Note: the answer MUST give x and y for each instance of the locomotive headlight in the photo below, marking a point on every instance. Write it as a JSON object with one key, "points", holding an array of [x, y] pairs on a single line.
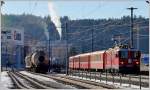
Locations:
{"points": [[122, 62], [137, 62]]}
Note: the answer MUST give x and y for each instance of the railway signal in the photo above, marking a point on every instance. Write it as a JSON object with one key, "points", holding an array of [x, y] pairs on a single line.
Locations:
{"points": [[136, 30], [67, 60]]}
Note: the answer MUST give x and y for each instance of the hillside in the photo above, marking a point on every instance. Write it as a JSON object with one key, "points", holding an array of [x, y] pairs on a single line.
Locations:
{"points": [[79, 31]]}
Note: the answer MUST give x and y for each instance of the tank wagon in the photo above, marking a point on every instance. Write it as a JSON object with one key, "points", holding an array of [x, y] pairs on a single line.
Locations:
{"points": [[37, 62]]}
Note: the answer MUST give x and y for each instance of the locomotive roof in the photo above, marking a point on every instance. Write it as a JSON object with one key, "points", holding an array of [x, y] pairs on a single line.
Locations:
{"points": [[102, 51], [82, 54], [117, 48], [98, 52]]}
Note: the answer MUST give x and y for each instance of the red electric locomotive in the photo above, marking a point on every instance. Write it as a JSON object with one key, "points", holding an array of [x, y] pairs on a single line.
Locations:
{"points": [[118, 59], [122, 59]]}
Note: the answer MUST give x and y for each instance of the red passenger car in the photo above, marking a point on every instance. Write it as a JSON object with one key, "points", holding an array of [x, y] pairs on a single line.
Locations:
{"points": [[118, 59], [97, 60]]}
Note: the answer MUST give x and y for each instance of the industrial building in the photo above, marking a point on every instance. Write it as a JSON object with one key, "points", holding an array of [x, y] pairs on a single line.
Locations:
{"points": [[12, 42]]}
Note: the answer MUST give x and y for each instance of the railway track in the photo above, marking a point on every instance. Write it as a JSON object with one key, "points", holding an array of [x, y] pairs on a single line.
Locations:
{"points": [[117, 75], [32, 83], [48, 82], [128, 79], [17, 83], [82, 84], [89, 82]]}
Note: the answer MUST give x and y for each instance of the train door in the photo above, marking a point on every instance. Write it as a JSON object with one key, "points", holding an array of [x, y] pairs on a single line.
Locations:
{"points": [[89, 62], [109, 60], [104, 60], [79, 61], [116, 60], [123, 58], [73, 63], [136, 56], [101, 61]]}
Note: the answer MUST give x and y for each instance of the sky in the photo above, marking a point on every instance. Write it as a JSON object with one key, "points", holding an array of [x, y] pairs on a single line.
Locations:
{"points": [[79, 9]]}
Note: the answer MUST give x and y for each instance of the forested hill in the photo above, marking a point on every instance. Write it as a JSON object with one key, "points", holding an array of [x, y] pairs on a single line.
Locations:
{"points": [[80, 31]]}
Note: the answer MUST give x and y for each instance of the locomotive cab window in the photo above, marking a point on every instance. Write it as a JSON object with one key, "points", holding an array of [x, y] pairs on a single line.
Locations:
{"points": [[135, 54], [123, 54]]}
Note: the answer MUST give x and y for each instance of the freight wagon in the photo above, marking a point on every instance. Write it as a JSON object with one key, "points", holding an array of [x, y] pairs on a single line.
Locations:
{"points": [[37, 62]]}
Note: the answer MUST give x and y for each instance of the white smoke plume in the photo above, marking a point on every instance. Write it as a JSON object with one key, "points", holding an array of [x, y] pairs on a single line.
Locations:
{"points": [[45, 30], [54, 17]]}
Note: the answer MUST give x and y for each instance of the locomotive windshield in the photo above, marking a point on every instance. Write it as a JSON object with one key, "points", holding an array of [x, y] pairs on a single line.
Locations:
{"points": [[135, 54], [123, 54]]}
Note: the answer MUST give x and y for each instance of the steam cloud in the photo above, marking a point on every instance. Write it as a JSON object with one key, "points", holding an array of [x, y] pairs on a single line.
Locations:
{"points": [[55, 18], [45, 29]]}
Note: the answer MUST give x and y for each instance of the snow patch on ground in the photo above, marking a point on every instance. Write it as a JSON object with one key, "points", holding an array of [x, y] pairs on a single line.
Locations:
{"points": [[41, 78], [5, 80]]}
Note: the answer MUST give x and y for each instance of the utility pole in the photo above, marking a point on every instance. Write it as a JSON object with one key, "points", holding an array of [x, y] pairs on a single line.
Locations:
{"points": [[137, 35], [49, 50], [6, 53], [82, 45], [92, 40], [67, 56], [131, 32]]}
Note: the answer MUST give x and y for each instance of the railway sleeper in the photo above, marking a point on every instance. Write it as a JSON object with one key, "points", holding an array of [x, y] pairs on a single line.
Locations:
{"points": [[18, 83], [71, 82], [50, 84], [90, 82], [35, 82]]}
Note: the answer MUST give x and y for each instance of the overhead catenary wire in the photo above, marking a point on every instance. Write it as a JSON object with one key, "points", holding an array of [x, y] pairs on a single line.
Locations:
{"points": [[104, 30], [105, 47], [95, 28], [79, 20], [101, 25], [34, 6], [143, 35], [78, 33], [95, 37], [96, 9], [84, 30], [89, 13], [100, 32]]}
